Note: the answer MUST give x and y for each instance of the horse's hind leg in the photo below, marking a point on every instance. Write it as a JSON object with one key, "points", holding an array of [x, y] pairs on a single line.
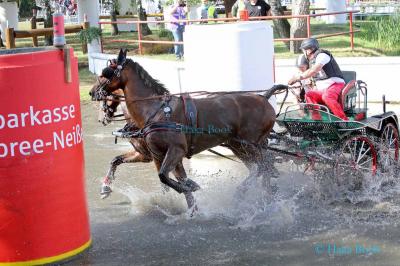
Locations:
{"points": [[130, 157], [173, 157], [246, 155], [267, 169], [252, 155]]}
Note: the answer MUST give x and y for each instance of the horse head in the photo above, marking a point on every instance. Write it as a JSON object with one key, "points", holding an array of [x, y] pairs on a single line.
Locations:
{"points": [[111, 78], [109, 107]]}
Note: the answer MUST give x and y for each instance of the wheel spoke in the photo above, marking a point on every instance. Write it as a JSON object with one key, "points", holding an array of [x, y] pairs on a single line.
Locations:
{"points": [[359, 154], [391, 139], [369, 148], [355, 147], [344, 165], [367, 169], [370, 159]]}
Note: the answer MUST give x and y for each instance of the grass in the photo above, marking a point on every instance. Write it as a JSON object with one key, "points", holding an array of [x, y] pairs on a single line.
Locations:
{"points": [[338, 45], [86, 81], [384, 32]]}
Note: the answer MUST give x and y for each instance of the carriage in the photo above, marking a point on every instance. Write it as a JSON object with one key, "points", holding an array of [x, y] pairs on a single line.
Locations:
{"points": [[362, 145]]}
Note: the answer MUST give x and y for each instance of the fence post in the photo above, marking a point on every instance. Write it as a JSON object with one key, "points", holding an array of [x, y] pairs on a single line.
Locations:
{"points": [[351, 31], [33, 26], [10, 38], [101, 38], [139, 37], [85, 26], [273, 68], [308, 26]]}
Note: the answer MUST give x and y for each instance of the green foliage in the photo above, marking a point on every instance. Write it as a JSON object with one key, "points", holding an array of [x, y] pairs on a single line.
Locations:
{"points": [[385, 32], [25, 8], [163, 33], [88, 35]]}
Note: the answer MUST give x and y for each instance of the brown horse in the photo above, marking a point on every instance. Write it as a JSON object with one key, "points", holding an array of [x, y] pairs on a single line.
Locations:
{"points": [[242, 121]]}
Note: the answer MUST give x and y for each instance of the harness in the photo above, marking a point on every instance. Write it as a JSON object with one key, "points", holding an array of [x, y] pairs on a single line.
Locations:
{"points": [[160, 126], [190, 111]]}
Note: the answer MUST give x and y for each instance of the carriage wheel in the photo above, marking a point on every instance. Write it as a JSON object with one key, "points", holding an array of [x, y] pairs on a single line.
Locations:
{"points": [[389, 148], [357, 158]]}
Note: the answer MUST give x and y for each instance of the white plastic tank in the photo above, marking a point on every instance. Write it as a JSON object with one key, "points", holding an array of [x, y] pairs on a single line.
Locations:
{"points": [[8, 17], [228, 57], [335, 6], [91, 9]]}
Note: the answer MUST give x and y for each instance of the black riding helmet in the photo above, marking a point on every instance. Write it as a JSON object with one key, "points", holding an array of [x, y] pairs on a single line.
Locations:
{"points": [[310, 43], [302, 61]]}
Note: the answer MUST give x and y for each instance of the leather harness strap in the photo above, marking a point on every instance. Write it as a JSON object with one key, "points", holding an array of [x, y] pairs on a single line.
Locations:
{"points": [[159, 126], [190, 111]]}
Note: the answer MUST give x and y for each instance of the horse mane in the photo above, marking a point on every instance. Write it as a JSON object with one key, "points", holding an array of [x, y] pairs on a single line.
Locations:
{"points": [[148, 80]]}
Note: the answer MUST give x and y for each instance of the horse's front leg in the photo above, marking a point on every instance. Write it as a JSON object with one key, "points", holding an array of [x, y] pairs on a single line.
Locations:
{"points": [[172, 158], [180, 175], [130, 157]]}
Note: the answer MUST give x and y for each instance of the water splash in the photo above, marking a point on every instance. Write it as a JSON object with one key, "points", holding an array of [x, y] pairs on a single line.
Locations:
{"points": [[219, 199], [297, 197]]}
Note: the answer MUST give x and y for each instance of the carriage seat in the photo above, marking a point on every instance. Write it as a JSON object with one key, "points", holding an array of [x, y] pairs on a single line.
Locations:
{"points": [[348, 96], [348, 92]]}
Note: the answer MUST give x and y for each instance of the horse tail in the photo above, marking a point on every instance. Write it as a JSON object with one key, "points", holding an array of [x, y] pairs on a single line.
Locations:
{"points": [[276, 89]]}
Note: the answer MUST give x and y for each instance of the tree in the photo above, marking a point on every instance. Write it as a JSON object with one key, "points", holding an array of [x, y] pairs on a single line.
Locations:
{"points": [[282, 26], [228, 6], [48, 21], [25, 8], [141, 13], [114, 9], [145, 30], [299, 25]]}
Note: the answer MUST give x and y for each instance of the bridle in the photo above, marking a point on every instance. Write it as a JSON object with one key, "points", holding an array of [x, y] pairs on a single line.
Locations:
{"points": [[110, 110], [101, 94]]}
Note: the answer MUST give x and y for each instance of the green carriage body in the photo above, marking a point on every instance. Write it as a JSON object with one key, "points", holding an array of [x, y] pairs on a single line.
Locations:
{"points": [[314, 132]]}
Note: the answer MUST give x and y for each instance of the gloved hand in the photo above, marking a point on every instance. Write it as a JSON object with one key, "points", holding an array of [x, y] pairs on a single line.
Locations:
{"points": [[294, 79]]}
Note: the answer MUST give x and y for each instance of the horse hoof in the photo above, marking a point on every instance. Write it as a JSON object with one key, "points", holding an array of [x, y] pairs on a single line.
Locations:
{"points": [[193, 211], [193, 186], [105, 191], [164, 188]]}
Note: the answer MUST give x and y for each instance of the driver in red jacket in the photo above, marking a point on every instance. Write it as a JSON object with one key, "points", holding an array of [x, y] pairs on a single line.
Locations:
{"points": [[327, 75]]}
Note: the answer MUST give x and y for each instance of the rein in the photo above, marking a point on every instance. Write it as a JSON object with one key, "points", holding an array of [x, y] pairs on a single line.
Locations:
{"points": [[113, 97], [117, 120], [102, 94]]}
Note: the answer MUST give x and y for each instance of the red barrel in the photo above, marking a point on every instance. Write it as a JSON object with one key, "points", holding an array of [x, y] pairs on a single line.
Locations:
{"points": [[43, 212]]}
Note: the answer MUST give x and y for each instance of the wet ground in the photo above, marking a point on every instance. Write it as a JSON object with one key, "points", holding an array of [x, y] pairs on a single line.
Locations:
{"points": [[140, 224]]}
